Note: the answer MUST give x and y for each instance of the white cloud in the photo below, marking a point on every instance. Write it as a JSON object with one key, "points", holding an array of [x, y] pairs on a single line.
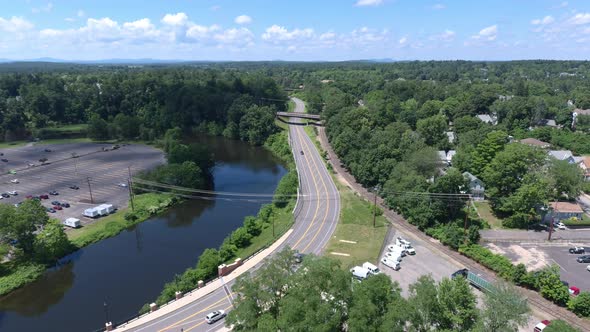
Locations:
{"points": [[581, 18], [277, 33], [447, 36], [543, 21], [243, 19], [327, 36], [47, 8], [15, 25], [199, 32], [239, 37], [365, 35], [177, 19], [439, 6], [81, 13], [403, 41], [362, 3], [489, 33]]}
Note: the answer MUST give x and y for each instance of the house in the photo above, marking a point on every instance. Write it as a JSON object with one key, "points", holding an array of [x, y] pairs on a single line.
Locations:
{"points": [[549, 123], [566, 155], [476, 187], [563, 210], [535, 142], [446, 157], [585, 166], [491, 119]]}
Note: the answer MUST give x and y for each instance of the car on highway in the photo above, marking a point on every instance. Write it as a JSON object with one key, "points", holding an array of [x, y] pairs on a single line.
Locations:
{"points": [[14, 181], [583, 259], [48, 150], [391, 263], [74, 187], [31, 165], [54, 193], [215, 316], [13, 193], [577, 250], [122, 185]]}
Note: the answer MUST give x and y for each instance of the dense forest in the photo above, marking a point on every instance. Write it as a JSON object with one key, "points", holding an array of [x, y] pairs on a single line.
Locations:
{"points": [[140, 103]]}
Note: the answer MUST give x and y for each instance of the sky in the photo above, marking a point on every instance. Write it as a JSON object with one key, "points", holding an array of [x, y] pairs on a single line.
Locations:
{"points": [[303, 30]]}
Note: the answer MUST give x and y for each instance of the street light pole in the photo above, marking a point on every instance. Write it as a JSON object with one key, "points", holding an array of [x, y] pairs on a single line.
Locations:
{"points": [[90, 190], [106, 310], [375, 190]]}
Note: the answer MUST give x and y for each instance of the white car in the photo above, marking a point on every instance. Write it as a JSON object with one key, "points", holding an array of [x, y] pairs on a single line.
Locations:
{"points": [[390, 263], [394, 248], [401, 241], [13, 193], [122, 185], [215, 316], [14, 181], [408, 248], [588, 267], [559, 225]]}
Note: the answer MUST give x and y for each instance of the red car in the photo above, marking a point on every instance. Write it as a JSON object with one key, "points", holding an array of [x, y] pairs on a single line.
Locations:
{"points": [[44, 196], [541, 326], [57, 207], [574, 290]]}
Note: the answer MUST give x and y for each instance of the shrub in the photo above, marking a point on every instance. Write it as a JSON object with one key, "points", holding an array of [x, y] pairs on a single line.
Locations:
{"points": [[240, 237], [253, 226], [580, 305], [495, 262]]}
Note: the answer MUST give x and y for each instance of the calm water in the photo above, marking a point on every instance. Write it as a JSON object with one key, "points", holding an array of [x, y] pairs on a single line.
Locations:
{"points": [[130, 269]]}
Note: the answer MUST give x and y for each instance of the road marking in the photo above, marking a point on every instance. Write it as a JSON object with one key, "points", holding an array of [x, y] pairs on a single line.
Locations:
{"points": [[561, 267], [346, 241], [339, 254], [201, 323], [190, 316]]}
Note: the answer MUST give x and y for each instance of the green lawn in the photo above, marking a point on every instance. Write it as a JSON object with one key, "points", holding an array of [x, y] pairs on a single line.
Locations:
{"points": [[65, 140], [13, 144], [290, 106], [485, 211]]}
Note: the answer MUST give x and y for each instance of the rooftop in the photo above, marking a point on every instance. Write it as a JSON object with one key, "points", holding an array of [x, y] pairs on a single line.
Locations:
{"points": [[566, 207], [561, 154], [535, 142]]}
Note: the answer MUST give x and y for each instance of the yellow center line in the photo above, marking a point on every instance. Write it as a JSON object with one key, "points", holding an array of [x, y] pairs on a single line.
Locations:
{"points": [[203, 322], [327, 206], [193, 315], [316, 189]]}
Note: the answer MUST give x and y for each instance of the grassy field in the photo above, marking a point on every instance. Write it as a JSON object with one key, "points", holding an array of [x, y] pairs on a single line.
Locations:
{"points": [[13, 144], [283, 221], [290, 106], [146, 205], [485, 211]]}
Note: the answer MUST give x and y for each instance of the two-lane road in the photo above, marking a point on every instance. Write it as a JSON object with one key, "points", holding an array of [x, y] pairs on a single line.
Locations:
{"points": [[314, 224]]}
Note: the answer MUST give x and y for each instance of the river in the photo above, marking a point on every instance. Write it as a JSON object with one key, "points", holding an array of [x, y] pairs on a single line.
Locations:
{"points": [[130, 269]]}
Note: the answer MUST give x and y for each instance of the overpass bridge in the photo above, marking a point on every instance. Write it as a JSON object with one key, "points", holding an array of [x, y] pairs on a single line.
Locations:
{"points": [[299, 115]]}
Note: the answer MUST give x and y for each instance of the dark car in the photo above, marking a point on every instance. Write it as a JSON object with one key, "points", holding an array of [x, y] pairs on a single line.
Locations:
{"points": [[43, 196], [50, 210], [54, 193], [301, 152], [577, 250], [583, 259], [74, 187], [5, 160], [64, 204], [298, 257], [48, 150], [55, 203], [5, 195], [460, 273]]}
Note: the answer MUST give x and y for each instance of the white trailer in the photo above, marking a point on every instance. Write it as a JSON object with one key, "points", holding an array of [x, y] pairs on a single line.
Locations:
{"points": [[359, 272], [109, 207], [102, 211], [72, 222], [92, 213], [391, 263]]}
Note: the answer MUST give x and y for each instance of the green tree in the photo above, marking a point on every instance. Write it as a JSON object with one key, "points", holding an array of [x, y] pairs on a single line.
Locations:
{"points": [[504, 309], [257, 124], [433, 129], [98, 128], [580, 305], [52, 242], [487, 150], [240, 237], [209, 261], [126, 127], [567, 178], [425, 310], [458, 303], [559, 325], [172, 138], [29, 216]]}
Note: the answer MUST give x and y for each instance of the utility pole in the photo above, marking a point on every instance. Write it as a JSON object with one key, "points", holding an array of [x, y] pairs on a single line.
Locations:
{"points": [[130, 186], [551, 221], [90, 190], [465, 221], [375, 190], [273, 224]]}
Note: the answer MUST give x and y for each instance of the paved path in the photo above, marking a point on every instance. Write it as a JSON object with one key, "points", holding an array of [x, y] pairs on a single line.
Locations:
{"points": [[315, 222], [513, 235]]}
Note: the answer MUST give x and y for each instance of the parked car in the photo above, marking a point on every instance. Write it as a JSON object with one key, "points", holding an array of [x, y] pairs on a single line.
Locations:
{"points": [[57, 207], [391, 263], [583, 259], [74, 187], [43, 196], [215, 316], [559, 225], [55, 203], [298, 257], [14, 181], [48, 150], [29, 197], [372, 268], [5, 195], [577, 250], [301, 152], [542, 325], [54, 193], [122, 185], [4, 160], [13, 193], [395, 256], [50, 210], [573, 290], [64, 204]]}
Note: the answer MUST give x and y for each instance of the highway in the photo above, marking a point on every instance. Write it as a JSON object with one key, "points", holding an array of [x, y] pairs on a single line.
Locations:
{"points": [[315, 222]]}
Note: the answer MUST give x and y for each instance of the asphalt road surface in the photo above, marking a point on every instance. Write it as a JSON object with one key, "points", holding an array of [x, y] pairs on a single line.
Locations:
{"points": [[315, 222]]}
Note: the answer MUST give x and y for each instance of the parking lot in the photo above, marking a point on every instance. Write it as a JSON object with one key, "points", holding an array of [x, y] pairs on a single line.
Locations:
{"points": [[104, 170], [538, 255]]}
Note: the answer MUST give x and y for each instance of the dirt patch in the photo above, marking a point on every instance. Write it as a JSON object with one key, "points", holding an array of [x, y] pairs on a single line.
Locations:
{"points": [[532, 258]]}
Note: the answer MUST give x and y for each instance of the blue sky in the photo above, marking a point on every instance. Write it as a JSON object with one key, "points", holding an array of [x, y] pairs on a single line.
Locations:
{"points": [[295, 30]]}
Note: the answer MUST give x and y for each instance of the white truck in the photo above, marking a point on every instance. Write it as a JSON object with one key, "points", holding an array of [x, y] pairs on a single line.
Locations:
{"points": [[396, 248], [372, 268], [359, 272], [101, 210], [393, 255], [391, 263], [91, 213], [72, 222]]}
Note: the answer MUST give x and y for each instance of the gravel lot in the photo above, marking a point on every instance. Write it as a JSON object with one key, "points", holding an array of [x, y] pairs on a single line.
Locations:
{"points": [[536, 255], [105, 169]]}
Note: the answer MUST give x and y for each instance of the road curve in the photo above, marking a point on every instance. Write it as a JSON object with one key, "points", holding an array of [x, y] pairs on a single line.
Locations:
{"points": [[315, 222]]}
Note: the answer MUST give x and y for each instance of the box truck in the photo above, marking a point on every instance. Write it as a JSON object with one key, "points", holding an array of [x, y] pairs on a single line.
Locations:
{"points": [[72, 222]]}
